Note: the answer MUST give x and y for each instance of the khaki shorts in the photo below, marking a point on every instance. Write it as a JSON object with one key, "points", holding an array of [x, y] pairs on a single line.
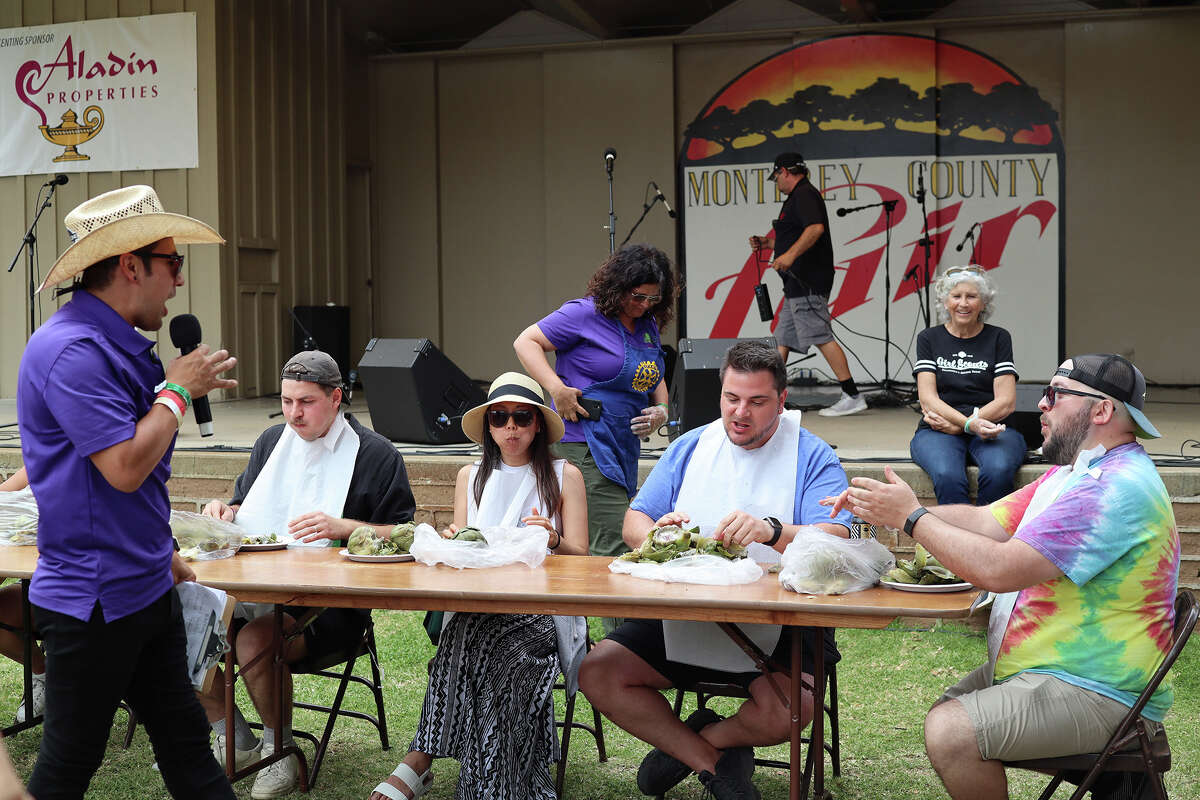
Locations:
{"points": [[804, 322], [1033, 715]]}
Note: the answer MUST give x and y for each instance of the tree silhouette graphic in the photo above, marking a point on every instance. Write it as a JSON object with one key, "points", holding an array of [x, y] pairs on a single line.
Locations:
{"points": [[954, 108]]}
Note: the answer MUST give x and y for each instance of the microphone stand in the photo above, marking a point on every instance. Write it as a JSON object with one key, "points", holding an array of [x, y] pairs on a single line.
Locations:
{"points": [[645, 210], [29, 245], [926, 243], [612, 216], [889, 395]]}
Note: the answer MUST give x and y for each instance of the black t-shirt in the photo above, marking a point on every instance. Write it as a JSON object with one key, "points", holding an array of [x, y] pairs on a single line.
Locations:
{"points": [[379, 492], [812, 273], [965, 368]]}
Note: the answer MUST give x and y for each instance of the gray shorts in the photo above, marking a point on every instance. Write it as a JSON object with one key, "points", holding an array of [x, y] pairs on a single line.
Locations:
{"points": [[1034, 715], [804, 322]]}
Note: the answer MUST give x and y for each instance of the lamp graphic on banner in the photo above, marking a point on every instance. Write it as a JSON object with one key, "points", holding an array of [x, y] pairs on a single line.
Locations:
{"points": [[69, 133]]}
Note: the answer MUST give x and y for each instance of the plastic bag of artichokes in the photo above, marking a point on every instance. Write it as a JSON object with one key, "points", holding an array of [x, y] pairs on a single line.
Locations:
{"points": [[204, 538], [18, 518], [475, 549], [816, 562]]}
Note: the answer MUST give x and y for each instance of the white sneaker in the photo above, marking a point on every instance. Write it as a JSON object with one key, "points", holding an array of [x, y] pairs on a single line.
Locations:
{"points": [[279, 779], [39, 698], [240, 757], [846, 404]]}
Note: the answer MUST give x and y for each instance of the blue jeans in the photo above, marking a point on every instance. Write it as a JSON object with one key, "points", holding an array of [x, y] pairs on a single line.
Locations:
{"points": [[943, 456]]}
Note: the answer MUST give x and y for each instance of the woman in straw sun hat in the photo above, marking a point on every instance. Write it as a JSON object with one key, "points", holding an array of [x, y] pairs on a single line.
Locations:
{"points": [[490, 701], [99, 416]]}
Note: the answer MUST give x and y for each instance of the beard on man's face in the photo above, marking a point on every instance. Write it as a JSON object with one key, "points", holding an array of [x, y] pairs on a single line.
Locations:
{"points": [[1062, 446]]}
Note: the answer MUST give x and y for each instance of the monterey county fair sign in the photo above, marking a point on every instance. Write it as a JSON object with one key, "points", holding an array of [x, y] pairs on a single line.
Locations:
{"points": [[878, 117], [113, 94]]}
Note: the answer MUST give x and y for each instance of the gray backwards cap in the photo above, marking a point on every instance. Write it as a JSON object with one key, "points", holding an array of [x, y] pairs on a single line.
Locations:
{"points": [[1117, 378], [313, 366]]}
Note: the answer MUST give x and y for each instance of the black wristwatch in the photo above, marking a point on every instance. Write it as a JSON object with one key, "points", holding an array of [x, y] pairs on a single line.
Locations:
{"points": [[912, 519], [776, 526]]}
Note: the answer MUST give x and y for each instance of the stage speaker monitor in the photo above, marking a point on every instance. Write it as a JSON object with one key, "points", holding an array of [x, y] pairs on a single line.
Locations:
{"points": [[410, 384], [329, 327], [695, 390], [1026, 419]]}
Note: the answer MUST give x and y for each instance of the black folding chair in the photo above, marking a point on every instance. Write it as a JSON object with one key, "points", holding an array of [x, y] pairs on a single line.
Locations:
{"points": [[596, 729], [1152, 754]]}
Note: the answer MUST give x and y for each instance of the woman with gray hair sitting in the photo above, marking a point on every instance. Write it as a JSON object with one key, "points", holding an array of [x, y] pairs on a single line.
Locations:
{"points": [[967, 386]]}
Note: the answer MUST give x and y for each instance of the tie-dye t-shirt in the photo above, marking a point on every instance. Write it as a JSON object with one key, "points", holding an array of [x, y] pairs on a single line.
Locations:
{"points": [[1106, 623]]}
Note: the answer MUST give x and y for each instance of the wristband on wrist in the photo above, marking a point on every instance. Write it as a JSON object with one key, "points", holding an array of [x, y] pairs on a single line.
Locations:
{"points": [[162, 400], [911, 522], [557, 540], [182, 392], [967, 425], [777, 527]]}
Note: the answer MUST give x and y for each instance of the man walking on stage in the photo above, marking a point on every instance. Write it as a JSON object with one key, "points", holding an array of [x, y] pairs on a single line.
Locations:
{"points": [[804, 260], [98, 419]]}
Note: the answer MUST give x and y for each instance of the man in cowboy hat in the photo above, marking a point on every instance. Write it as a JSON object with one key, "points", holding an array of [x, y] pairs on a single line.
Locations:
{"points": [[804, 260], [98, 419], [315, 478], [1087, 561]]}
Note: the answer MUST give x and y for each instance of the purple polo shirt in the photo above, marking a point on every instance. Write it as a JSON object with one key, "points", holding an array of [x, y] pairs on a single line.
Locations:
{"points": [[86, 378], [590, 347]]}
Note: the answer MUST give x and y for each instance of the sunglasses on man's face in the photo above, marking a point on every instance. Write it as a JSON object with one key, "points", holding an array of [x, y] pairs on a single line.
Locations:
{"points": [[174, 259], [498, 417], [1049, 394]]}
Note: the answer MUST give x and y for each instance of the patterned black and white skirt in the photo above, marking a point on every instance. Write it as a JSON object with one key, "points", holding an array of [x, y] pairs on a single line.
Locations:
{"points": [[490, 705]]}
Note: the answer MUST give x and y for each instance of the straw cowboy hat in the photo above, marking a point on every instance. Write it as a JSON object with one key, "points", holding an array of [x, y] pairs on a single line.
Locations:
{"points": [[513, 387], [122, 221]]}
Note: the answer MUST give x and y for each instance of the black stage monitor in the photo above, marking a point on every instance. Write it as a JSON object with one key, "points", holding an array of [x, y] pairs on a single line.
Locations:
{"points": [[414, 392]]}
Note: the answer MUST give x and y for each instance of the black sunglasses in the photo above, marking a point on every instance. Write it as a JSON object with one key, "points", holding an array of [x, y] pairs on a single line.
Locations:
{"points": [[1050, 392], [498, 417], [175, 260]]}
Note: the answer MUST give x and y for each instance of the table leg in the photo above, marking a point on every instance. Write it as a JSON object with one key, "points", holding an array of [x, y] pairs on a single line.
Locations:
{"points": [[817, 743], [230, 738], [799, 783]]}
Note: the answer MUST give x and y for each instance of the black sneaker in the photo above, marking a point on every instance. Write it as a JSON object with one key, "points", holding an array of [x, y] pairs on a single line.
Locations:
{"points": [[732, 781], [659, 772]]}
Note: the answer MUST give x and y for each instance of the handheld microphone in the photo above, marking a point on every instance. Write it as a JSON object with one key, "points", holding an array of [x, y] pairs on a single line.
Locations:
{"points": [[185, 334], [610, 155], [662, 197], [57, 180], [969, 237], [920, 181]]}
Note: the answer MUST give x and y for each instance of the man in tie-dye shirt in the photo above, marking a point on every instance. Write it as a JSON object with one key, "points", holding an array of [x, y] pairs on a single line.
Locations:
{"points": [[1085, 562]]}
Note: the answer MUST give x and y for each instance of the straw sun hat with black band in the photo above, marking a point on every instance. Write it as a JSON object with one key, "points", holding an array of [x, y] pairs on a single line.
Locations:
{"points": [[512, 387], [122, 221]]}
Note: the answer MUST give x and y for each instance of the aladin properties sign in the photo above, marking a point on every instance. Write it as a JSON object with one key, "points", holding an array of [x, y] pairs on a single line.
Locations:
{"points": [[876, 117], [101, 95]]}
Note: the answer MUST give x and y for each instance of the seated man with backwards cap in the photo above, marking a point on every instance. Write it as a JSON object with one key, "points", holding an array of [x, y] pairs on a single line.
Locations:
{"points": [[1087, 559], [317, 478]]}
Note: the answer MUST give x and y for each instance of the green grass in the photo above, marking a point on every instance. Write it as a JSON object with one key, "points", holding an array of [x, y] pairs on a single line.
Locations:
{"points": [[887, 680]]}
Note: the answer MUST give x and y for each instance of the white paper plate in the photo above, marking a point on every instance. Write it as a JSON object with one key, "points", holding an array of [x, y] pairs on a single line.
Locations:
{"points": [[378, 559], [934, 588], [255, 548]]}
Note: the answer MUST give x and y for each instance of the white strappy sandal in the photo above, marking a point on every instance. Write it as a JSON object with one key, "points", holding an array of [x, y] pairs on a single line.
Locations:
{"points": [[417, 784]]}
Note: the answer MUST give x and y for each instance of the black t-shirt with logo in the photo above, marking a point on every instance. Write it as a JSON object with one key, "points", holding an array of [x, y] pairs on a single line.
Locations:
{"points": [[965, 368], [812, 273]]}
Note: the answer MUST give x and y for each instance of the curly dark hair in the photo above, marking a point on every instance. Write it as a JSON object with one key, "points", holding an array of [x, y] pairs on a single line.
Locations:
{"points": [[631, 266]]}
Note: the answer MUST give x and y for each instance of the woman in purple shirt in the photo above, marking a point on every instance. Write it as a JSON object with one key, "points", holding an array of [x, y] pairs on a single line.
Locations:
{"points": [[607, 349]]}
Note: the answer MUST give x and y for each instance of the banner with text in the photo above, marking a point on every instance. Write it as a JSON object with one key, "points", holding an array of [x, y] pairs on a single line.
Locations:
{"points": [[100, 95], [878, 118]]}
